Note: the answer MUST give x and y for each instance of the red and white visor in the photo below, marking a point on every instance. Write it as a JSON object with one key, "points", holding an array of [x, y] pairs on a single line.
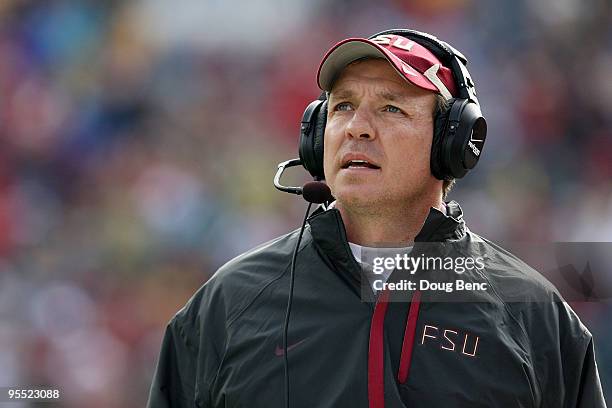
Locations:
{"points": [[412, 61]]}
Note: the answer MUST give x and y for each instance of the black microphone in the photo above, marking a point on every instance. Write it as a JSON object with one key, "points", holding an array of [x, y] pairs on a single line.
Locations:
{"points": [[316, 192]]}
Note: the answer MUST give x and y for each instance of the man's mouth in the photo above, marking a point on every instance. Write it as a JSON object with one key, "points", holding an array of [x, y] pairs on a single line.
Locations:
{"points": [[359, 164]]}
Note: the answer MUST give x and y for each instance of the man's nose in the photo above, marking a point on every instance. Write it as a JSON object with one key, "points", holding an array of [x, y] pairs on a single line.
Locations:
{"points": [[360, 126]]}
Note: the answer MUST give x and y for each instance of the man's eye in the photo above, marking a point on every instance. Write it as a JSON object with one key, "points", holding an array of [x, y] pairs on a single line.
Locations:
{"points": [[343, 106], [393, 109]]}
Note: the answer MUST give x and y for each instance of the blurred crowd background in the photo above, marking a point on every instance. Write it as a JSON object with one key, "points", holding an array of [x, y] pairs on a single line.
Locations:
{"points": [[139, 140]]}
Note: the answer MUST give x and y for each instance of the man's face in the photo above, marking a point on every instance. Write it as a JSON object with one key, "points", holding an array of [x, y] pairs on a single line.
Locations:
{"points": [[375, 115]]}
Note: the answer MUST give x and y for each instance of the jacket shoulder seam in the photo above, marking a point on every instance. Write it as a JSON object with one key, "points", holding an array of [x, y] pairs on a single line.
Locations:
{"points": [[260, 291], [250, 303]]}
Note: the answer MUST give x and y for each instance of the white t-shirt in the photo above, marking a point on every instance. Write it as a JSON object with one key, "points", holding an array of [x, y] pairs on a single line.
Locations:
{"points": [[365, 256]]}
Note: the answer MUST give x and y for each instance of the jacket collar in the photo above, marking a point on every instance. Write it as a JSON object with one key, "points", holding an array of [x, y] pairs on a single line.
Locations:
{"points": [[443, 227], [329, 234], [327, 226]]}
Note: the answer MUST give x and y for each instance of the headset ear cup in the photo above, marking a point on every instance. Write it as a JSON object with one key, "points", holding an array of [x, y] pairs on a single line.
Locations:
{"points": [[462, 140], [466, 147], [318, 142], [451, 156], [437, 164], [310, 143]]}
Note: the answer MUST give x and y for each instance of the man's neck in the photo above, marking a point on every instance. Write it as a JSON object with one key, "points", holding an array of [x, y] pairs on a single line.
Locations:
{"points": [[386, 227]]}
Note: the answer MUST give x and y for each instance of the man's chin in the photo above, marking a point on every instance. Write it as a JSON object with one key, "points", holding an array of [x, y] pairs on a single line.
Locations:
{"points": [[357, 196]]}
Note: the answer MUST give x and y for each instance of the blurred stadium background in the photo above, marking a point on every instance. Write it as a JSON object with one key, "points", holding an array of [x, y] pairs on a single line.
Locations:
{"points": [[139, 140]]}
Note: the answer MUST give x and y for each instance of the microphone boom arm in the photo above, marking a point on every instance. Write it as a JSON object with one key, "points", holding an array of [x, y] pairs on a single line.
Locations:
{"points": [[279, 173]]}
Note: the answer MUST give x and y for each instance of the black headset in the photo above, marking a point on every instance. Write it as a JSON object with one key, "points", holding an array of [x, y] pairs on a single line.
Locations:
{"points": [[459, 131]]}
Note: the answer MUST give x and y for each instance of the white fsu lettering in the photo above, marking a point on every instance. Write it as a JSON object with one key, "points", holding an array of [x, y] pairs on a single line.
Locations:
{"points": [[398, 42], [384, 39], [448, 340], [475, 347], [403, 43], [427, 335]]}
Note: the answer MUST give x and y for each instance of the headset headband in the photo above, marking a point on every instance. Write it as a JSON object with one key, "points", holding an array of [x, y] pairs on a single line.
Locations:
{"points": [[447, 54]]}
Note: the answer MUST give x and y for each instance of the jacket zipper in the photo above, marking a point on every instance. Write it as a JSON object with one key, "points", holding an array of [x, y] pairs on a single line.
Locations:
{"points": [[408, 342], [376, 352], [376, 347]]}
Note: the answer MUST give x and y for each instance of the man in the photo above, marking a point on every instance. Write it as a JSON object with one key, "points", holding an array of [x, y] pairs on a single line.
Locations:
{"points": [[386, 146]]}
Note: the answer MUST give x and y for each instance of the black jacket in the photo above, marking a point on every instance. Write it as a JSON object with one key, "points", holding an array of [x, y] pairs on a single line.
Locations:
{"points": [[224, 348]]}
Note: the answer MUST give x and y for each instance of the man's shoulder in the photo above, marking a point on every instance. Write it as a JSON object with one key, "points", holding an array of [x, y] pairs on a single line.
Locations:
{"points": [[533, 301], [511, 276], [265, 260], [532, 298], [236, 283]]}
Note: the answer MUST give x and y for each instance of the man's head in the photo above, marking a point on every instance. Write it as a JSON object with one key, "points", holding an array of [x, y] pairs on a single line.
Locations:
{"points": [[381, 108], [374, 115]]}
